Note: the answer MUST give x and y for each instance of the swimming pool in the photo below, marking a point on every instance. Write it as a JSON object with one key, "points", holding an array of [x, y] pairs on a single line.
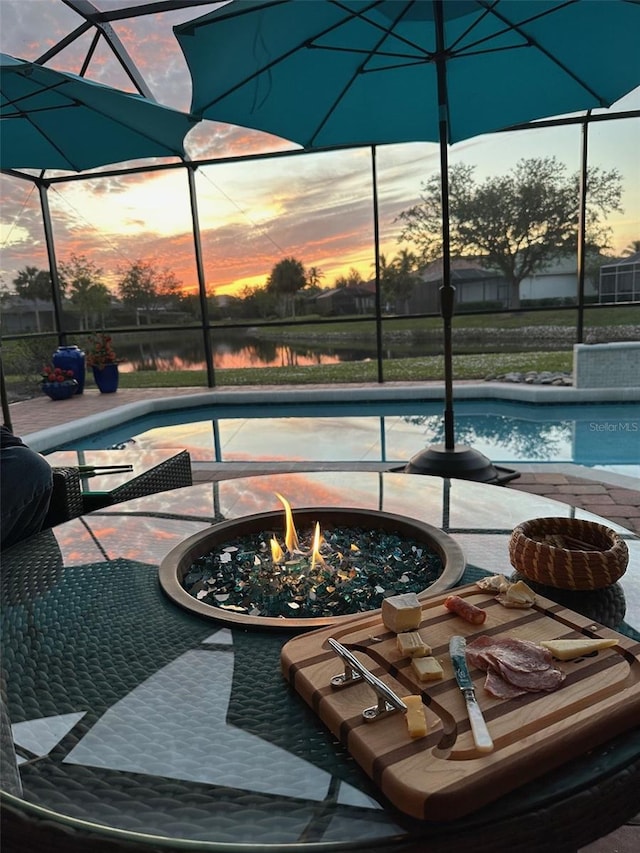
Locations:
{"points": [[603, 435]]}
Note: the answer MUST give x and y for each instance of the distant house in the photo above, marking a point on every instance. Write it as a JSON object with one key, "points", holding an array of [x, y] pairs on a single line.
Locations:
{"points": [[473, 284], [620, 280], [476, 285], [26, 315], [559, 280], [353, 299]]}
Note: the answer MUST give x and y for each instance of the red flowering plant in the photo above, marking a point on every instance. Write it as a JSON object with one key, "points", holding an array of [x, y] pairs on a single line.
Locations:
{"points": [[57, 375], [100, 351]]}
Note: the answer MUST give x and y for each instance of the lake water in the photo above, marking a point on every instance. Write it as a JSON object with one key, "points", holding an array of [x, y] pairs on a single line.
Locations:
{"points": [[235, 350]]}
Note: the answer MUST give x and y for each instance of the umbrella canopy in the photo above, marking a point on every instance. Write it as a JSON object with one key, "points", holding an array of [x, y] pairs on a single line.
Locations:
{"points": [[54, 120], [356, 72]]}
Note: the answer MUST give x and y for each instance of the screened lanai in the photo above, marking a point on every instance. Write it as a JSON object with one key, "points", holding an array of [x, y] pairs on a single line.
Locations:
{"points": [[252, 260]]}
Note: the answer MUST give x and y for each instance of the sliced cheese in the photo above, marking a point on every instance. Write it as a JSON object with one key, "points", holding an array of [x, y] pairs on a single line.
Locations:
{"points": [[427, 669], [495, 583], [569, 649], [517, 595], [401, 612], [521, 593], [411, 644], [416, 718]]}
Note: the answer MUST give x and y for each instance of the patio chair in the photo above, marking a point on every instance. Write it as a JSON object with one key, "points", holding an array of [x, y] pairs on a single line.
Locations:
{"points": [[68, 500]]}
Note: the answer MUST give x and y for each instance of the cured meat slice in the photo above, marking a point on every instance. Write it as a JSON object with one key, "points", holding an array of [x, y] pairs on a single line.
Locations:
{"points": [[518, 654], [501, 689], [476, 651], [539, 680], [514, 666], [521, 655]]}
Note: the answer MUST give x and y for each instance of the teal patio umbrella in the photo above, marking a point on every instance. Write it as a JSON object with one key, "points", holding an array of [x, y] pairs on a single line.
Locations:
{"points": [[367, 72], [55, 120]]}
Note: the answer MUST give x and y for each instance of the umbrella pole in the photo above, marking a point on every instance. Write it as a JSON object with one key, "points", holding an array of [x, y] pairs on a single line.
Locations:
{"points": [[447, 292], [447, 460]]}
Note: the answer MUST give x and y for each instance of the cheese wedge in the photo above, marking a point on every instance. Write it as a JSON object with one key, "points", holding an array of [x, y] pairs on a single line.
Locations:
{"points": [[401, 612], [517, 595], [569, 649], [416, 718], [410, 644], [427, 669]]}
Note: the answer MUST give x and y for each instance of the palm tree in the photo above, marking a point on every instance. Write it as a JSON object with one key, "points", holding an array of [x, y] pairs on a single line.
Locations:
{"points": [[34, 284], [632, 249], [286, 279], [397, 278], [314, 275]]}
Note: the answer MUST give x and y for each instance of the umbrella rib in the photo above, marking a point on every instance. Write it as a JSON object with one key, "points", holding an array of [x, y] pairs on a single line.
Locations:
{"points": [[472, 26], [22, 114], [73, 103], [309, 43], [268, 66], [15, 102], [28, 111], [385, 32], [74, 166], [532, 42], [427, 55]]}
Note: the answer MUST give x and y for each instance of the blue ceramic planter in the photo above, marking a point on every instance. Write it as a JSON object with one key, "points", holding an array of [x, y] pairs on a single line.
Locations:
{"points": [[60, 390], [71, 358], [106, 378]]}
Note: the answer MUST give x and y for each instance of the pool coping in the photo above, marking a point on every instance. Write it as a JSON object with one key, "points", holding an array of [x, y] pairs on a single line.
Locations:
{"points": [[47, 439]]}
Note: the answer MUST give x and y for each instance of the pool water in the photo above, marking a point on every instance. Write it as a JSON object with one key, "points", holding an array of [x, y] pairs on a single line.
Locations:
{"points": [[605, 435]]}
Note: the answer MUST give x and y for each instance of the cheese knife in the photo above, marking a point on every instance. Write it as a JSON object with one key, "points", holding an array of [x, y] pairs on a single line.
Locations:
{"points": [[481, 736]]}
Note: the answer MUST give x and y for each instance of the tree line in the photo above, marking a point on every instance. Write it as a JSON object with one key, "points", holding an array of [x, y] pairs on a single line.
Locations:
{"points": [[141, 287], [514, 224]]}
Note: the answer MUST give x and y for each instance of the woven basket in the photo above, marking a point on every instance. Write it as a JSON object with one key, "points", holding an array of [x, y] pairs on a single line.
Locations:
{"points": [[568, 553]]}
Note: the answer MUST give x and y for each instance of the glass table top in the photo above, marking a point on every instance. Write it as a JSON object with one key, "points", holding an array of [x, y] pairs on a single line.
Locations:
{"points": [[133, 718]]}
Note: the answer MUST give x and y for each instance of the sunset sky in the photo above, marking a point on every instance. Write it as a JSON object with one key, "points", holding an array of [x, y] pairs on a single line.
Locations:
{"points": [[317, 208]]}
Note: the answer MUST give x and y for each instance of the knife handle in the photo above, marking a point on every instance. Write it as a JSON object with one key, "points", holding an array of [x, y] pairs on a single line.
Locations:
{"points": [[479, 729]]}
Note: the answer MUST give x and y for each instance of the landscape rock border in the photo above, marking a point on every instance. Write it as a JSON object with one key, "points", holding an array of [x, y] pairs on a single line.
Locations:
{"points": [[532, 377]]}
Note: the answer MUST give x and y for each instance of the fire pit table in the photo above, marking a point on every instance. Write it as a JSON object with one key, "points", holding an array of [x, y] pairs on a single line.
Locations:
{"points": [[130, 723]]}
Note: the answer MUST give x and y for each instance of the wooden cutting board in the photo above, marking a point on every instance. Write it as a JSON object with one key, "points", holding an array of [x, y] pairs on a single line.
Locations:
{"points": [[442, 776]]}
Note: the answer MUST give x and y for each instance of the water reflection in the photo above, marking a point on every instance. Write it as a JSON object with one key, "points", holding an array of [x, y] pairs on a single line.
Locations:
{"points": [[234, 349], [392, 432], [186, 353], [521, 439]]}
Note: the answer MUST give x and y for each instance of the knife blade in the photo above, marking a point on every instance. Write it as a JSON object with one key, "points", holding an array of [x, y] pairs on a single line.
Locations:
{"points": [[481, 736]]}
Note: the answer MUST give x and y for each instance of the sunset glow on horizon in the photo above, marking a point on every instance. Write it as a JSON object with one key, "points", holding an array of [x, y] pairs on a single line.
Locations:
{"points": [[315, 207]]}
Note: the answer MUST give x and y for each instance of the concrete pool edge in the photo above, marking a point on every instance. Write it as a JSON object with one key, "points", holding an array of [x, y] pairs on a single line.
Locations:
{"points": [[211, 471], [47, 439]]}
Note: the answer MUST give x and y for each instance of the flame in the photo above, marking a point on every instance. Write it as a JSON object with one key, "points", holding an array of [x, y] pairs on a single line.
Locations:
{"points": [[316, 556], [290, 536], [277, 554]]}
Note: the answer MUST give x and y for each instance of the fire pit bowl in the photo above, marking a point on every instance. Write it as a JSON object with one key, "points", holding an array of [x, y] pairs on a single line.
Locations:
{"points": [[178, 562]]}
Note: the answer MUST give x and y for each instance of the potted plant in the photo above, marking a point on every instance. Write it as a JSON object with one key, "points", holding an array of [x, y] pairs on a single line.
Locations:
{"points": [[103, 361], [57, 383]]}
